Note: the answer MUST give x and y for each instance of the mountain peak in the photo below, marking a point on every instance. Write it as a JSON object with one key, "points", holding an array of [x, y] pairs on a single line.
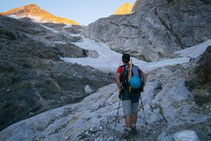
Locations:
{"points": [[31, 5], [35, 12], [124, 9]]}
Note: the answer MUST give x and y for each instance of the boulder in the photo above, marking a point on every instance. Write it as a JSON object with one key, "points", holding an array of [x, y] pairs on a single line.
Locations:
{"points": [[88, 90], [186, 135]]}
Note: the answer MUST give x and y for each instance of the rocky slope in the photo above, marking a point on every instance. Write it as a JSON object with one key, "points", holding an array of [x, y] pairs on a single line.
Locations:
{"points": [[124, 9], [35, 12], [156, 28], [169, 108], [176, 98], [33, 77]]}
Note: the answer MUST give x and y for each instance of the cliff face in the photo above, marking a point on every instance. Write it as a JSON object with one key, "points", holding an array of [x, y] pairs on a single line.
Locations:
{"points": [[156, 28], [33, 11], [124, 9]]}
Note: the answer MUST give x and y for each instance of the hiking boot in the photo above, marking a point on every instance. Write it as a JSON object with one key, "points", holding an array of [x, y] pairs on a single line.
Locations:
{"points": [[133, 130], [126, 134]]}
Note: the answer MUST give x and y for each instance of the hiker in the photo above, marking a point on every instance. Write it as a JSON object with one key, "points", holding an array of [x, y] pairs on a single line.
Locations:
{"points": [[128, 95]]}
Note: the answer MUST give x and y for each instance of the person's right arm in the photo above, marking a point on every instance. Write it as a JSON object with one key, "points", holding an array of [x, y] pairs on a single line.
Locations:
{"points": [[118, 81]]}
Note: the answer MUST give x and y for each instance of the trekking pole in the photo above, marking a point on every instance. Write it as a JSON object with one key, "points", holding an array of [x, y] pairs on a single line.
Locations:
{"points": [[117, 116], [142, 106]]}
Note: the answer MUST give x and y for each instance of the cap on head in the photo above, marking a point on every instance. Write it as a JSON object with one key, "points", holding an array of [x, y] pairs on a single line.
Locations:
{"points": [[125, 58]]}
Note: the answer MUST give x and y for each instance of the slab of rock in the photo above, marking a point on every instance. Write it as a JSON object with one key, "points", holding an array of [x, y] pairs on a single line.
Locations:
{"points": [[186, 135]]}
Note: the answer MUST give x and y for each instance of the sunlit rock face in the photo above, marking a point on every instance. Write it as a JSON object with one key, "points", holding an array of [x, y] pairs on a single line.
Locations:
{"points": [[35, 12], [124, 9], [155, 29]]}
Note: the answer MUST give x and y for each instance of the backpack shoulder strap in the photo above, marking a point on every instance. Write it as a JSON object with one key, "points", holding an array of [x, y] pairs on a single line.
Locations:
{"points": [[124, 75], [136, 71]]}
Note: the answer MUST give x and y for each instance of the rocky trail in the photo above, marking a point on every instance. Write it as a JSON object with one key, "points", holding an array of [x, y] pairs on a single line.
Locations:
{"points": [[57, 81]]}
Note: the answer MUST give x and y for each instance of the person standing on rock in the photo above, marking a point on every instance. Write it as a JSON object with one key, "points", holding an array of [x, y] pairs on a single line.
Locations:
{"points": [[129, 91]]}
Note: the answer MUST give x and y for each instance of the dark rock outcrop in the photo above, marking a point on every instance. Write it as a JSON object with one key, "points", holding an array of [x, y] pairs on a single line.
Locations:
{"points": [[33, 77], [198, 79], [155, 28]]}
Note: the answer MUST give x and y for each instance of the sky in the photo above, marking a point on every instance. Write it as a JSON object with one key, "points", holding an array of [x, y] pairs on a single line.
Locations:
{"points": [[82, 11]]}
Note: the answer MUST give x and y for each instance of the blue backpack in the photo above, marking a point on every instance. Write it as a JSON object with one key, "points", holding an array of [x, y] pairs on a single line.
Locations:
{"points": [[136, 82]]}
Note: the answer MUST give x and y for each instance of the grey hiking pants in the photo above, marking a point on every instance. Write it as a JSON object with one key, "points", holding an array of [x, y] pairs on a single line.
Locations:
{"points": [[129, 108]]}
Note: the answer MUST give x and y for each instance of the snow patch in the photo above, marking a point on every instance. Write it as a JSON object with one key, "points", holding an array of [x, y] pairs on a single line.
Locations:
{"points": [[67, 26], [60, 42], [34, 18], [195, 51], [169, 62], [74, 35], [50, 29], [109, 60], [14, 16]]}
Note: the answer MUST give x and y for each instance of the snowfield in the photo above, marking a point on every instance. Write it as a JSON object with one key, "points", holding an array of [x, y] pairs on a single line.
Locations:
{"points": [[109, 60]]}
